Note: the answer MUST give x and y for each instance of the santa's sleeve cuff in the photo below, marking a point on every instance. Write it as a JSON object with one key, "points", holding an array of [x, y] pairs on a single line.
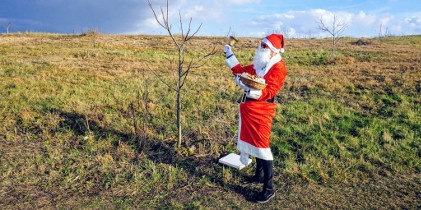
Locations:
{"points": [[231, 61], [254, 93]]}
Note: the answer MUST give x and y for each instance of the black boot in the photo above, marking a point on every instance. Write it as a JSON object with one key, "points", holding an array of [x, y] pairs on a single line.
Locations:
{"points": [[258, 174], [268, 175], [265, 196], [268, 191]]}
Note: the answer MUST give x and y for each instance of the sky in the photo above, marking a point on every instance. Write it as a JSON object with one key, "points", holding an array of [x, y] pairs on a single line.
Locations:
{"points": [[241, 18]]}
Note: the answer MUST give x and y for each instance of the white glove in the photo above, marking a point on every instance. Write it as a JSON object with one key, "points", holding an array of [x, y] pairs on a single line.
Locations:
{"points": [[228, 51], [244, 158], [241, 84]]}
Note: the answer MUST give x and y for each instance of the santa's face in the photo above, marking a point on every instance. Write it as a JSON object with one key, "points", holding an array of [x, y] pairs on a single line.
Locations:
{"points": [[261, 58]]}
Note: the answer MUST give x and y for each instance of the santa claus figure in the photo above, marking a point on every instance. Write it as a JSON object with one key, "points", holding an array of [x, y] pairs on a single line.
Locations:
{"points": [[257, 108]]}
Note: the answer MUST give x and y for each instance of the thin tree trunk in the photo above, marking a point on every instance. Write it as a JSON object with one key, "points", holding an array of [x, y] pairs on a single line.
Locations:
{"points": [[179, 86], [179, 114]]}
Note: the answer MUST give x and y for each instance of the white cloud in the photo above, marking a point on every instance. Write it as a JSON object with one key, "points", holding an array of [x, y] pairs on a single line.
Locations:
{"points": [[294, 23], [305, 23], [194, 11], [414, 22], [243, 17], [149, 22], [364, 19], [385, 20], [241, 1]]}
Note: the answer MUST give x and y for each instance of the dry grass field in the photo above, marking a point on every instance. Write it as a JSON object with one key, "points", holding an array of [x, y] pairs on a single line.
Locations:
{"points": [[87, 122]]}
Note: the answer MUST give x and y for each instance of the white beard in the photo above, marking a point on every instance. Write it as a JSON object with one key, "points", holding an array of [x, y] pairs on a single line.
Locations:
{"points": [[261, 59]]}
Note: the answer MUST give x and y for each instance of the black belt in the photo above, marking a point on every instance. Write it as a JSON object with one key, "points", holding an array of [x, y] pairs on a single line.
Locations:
{"points": [[244, 99], [269, 100]]}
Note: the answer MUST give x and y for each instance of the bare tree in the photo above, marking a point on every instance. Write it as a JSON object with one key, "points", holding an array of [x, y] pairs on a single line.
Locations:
{"points": [[8, 27], [386, 33], [287, 32], [182, 69], [381, 31], [335, 30]]}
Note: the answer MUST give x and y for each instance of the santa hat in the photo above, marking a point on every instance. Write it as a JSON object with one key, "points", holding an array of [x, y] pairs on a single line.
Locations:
{"points": [[275, 42]]}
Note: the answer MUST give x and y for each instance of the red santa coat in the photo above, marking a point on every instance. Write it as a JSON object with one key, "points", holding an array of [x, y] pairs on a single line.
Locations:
{"points": [[256, 116]]}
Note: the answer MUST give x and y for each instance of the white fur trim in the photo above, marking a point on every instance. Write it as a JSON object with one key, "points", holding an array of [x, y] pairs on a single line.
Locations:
{"points": [[262, 153], [244, 158], [244, 147], [231, 62], [266, 41]]}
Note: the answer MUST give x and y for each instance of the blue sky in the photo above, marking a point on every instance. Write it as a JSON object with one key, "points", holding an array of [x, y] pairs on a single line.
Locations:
{"points": [[257, 18]]}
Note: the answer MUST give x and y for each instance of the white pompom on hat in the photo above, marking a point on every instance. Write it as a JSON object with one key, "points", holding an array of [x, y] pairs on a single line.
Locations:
{"points": [[275, 42]]}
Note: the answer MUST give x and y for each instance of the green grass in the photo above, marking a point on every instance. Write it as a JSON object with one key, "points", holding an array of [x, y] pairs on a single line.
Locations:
{"points": [[88, 123], [327, 141]]}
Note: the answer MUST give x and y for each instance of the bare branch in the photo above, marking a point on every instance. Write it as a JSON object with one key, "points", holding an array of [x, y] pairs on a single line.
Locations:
{"points": [[202, 60], [8, 27], [181, 24], [154, 13], [228, 33], [165, 21], [194, 34], [323, 27], [160, 78], [185, 75]]}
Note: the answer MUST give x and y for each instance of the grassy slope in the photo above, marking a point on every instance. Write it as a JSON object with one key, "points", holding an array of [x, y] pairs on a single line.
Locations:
{"points": [[87, 122]]}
